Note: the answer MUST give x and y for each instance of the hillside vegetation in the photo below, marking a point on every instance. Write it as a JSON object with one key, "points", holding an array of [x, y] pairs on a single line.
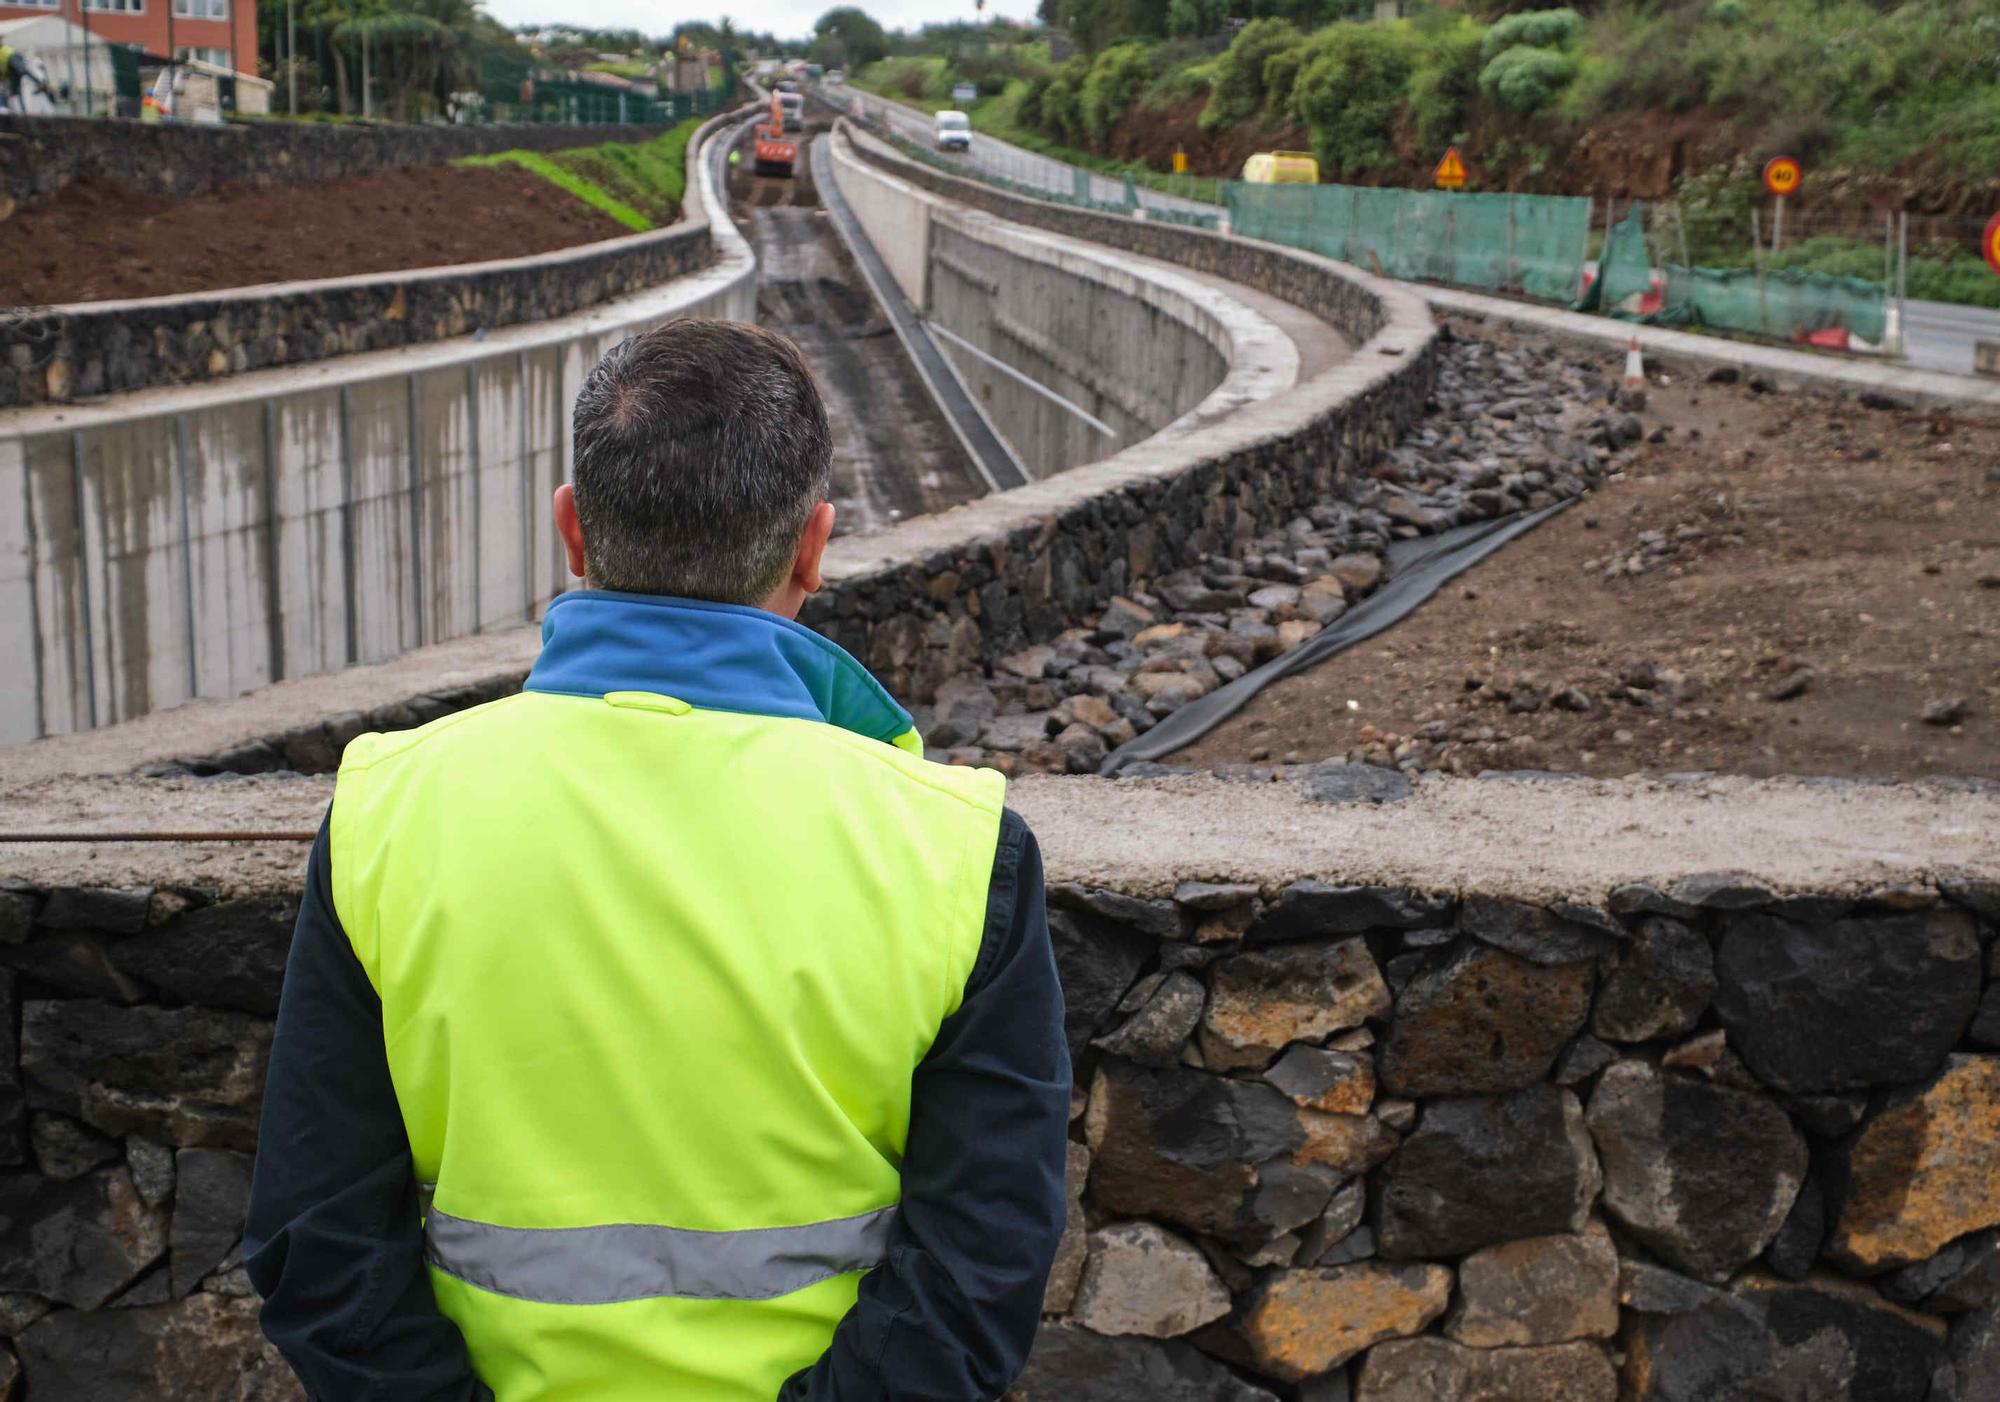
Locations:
{"points": [[1625, 97], [638, 183]]}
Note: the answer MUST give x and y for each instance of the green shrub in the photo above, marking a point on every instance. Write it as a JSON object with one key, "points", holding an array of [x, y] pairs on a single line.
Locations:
{"points": [[1281, 76], [1348, 91], [1193, 18], [1445, 83], [1061, 114], [1525, 80], [1116, 80], [1240, 74], [1538, 29], [1729, 11]]}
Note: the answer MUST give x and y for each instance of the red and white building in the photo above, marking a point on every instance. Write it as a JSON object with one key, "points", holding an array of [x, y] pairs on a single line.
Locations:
{"points": [[221, 32]]}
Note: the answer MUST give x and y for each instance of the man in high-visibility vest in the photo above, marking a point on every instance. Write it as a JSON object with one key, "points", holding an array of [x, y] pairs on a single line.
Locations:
{"points": [[672, 1029], [14, 71]]}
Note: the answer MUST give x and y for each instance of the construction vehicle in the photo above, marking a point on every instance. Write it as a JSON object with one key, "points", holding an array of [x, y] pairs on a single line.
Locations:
{"points": [[793, 105], [776, 153], [1281, 168]]}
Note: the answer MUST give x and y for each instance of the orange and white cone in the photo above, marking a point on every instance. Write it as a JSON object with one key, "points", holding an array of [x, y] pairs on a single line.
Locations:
{"points": [[1635, 366]]}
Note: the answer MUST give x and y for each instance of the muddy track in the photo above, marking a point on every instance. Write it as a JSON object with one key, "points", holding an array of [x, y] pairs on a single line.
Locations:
{"points": [[893, 454]]}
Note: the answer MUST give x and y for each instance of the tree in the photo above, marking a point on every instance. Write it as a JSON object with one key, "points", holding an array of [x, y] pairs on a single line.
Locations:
{"points": [[848, 36]]}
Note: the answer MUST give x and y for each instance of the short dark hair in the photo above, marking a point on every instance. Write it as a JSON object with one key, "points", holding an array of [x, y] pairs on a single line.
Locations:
{"points": [[701, 448]]}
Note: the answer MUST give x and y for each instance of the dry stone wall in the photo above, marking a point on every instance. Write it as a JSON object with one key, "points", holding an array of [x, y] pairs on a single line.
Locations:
{"points": [[1691, 1141]]}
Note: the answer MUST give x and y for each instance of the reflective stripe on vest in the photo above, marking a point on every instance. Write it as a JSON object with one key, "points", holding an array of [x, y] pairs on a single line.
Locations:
{"points": [[632, 1261]]}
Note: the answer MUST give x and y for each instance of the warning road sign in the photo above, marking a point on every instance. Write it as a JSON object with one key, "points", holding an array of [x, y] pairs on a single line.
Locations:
{"points": [[1782, 176], [1990, 244], [1450, 172]]}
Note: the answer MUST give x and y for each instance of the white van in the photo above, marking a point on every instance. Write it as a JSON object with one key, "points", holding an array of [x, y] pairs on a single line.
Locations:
{"points": [[953, 130]]}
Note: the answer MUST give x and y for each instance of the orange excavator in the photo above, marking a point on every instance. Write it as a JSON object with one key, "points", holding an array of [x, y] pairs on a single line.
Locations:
{"points": [[776, 153]]}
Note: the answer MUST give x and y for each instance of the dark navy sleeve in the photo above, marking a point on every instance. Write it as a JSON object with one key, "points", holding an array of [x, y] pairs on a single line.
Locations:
{"points": [[951, 1313], [334, 1241]]}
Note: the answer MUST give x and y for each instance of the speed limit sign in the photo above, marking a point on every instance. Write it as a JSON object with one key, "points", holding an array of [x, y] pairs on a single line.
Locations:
{"points": [[1782, 176]]}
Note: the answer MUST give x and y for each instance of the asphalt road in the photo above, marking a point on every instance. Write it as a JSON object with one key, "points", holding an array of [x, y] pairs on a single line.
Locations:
{"points": [[1938, 335]]}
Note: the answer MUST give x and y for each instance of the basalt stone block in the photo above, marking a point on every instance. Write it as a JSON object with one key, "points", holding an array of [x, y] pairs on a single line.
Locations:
{"points": [[1721, 890], [195, 1350], [17, 916], [1920, 1173], [1640, 898], [102, 910], [1261, 1001], [1483, 1020], [1097, 960], [78, 1243], [1656, 986], [65, 1149], [1301, 1323], [1355, 783], [230, 955], [1478, 1170], [1308, 909], [1798, 1243], [1069, 1363], [1533, 932], [1651, 1289], [1071, 1248], [1870, 1001], [1704, 1174], [1970, 1371], [1438, 1370], [1985, 1029], [1236, 1160], [1963, 1276], [1160, 919], [1821, 1340], [1543, 1290], [13, 1099], [1341, 1083], [1139, 1278], [184, 1076], [1977, 894], [212, 1196], [1155, 1033]]}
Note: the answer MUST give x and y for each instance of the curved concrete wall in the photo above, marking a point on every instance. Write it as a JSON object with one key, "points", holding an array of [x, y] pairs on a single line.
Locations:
{"points": [[181, 543], [1130, 349]]}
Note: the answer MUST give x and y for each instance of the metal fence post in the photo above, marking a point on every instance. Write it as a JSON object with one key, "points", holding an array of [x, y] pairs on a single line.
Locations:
{"points": [[1903, 276]]}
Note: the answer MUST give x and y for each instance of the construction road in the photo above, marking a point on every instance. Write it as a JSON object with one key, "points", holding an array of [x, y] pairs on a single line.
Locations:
{"points": [[893, 454]]}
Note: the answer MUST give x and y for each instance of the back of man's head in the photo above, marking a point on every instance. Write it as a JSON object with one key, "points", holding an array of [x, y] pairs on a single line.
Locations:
{"points": [[701, 449]]}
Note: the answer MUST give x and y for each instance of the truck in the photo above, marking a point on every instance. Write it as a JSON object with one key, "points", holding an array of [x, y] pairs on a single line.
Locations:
{"points": [[1281, 168], [792, 112], [775, 153], [952, 131]]}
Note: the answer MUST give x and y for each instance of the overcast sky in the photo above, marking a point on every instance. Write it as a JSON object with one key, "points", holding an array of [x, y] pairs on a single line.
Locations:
{"points": [[782, 17]]}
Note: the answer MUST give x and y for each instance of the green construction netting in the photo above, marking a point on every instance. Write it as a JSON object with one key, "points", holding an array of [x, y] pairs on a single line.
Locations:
{"points": [[1786, 305], [1502, 243]]}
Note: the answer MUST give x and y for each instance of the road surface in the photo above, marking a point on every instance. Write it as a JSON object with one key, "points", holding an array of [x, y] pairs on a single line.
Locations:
{"points": [[1938, 335]]}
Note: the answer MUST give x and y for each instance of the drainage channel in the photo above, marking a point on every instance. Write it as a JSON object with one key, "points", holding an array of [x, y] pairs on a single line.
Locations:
{"points": [[895, 455]]}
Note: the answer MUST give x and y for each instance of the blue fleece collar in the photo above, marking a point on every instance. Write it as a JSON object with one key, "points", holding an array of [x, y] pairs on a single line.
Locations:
{"points": [[715, 657]]}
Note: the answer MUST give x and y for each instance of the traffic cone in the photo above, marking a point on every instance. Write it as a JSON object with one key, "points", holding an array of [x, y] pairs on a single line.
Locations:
{"points": [[1635, 366]]}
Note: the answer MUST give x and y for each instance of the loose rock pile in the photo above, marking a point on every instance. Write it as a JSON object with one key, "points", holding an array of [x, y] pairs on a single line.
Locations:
{"points": [[1510, 430]]}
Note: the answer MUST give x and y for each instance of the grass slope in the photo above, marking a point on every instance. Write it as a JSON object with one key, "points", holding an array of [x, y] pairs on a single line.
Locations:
{"points": [[639, 184]]}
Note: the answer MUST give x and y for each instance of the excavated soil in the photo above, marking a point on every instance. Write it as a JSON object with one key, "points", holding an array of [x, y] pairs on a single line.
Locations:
{"points": [[1781, 585], [95, 241]]}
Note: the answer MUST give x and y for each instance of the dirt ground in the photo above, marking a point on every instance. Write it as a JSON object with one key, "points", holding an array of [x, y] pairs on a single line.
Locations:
{"points": [[893, 454], [1781, 585], [95, 241]]}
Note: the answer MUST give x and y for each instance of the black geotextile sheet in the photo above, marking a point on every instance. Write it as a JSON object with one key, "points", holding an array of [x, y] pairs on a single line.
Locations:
{"points": [[1417, 569]]}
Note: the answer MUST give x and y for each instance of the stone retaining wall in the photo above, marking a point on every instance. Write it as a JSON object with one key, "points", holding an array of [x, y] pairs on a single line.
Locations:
{"points": [[65, 353], [86, 349], [40, 155], [1697, 1139]]}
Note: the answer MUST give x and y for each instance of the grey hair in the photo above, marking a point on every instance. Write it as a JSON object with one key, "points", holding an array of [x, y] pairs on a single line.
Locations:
{"points": [[701, 449]]}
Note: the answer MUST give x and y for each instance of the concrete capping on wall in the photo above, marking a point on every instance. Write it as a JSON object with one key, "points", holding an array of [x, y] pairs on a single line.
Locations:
{"points": [[207, 540], [81, 350], [943, 594], [40, 155]]}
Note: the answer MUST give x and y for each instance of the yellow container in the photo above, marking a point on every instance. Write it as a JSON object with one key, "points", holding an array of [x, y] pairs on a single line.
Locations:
{"points": [[1281, 168]]}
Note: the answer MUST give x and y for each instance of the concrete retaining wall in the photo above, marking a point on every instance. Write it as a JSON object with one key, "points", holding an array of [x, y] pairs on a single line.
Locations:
{"points": [[172, 544], [1126, 348], [40, 155], [1509, 1124]]}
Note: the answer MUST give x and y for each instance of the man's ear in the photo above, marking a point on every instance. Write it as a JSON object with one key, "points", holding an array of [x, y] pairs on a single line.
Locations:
{"points": [[570, 527], [812, 546]]}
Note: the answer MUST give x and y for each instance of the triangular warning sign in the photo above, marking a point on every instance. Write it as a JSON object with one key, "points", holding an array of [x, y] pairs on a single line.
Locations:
{"points": [[1450, 172]]}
